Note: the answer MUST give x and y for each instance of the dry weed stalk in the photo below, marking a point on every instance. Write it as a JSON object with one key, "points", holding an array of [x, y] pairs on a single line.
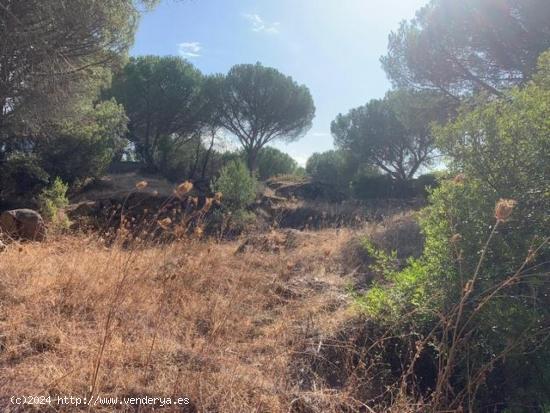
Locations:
{"points": [[123, 236], [451, 334]]}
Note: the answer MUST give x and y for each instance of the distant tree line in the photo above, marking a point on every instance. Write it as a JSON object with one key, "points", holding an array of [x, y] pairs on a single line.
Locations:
{"points": [[438, 62], [173, 108], [72, 102]]}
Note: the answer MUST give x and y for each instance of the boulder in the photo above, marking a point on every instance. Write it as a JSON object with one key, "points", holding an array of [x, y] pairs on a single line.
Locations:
{"points": [[25, 224]]}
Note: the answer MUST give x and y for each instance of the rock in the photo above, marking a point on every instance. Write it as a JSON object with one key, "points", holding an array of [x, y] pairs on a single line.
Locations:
{"points": [[25, 224]]}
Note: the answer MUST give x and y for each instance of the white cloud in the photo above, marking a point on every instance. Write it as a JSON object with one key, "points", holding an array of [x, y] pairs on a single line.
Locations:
{"points": [[260, 25], [189, 49]]}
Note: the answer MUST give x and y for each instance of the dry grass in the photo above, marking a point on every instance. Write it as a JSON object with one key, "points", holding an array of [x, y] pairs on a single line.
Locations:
{"points": [[400, 233], [186, 319], [303, 214]]}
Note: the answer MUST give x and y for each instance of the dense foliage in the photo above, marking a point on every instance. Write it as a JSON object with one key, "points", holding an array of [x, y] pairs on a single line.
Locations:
{"points": [[21, 179], [52, 200], [332, 168], [260, 105], [238, 189], [483, 274], [72, 149], [72, 103], [165, 102], [377, 186], [273, 162], [55, 54], [394, 133], [352, 178], [236, 185], [462, 47]]}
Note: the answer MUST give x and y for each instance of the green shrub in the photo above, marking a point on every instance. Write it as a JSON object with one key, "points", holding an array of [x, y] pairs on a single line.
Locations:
{"points": [[425, 182], [273, 162], [231, 223], [331, 168], [238, 188], [483, 278], [21, 178], [52, 200], [300, 172], [176, 160], [238, 191], [76, 150], [346, 174]]}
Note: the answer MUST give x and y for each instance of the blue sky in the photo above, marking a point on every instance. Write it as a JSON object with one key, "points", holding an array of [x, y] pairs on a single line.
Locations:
{"points": [[331, 46]]}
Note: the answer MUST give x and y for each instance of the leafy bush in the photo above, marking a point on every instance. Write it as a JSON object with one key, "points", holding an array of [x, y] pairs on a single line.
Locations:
{"points": [[21, 177], [238, 189], [72, 149], [343, 172], [425, 182], [331, 168], [300, 172], [483, 273], [84, 148], [52, 200], [273, 162], [236, 185], [176, 160]]}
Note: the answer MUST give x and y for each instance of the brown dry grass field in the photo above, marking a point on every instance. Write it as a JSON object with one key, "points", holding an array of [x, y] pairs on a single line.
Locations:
{"points": [[191, 318]]}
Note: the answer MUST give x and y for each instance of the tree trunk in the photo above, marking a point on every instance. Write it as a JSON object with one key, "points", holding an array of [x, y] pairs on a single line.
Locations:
{"points": [[197, 156], [207, 156], [252, 158]]}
